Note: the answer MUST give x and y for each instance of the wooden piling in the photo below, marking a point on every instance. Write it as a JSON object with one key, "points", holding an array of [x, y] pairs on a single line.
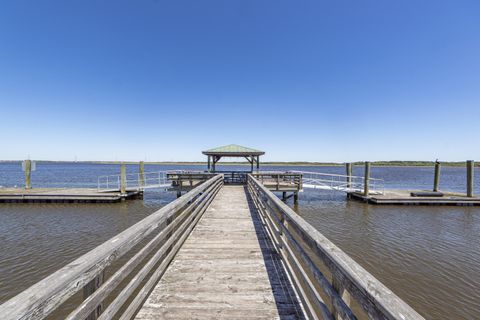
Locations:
{"points": [[470, 170], [141, 174], [366, 180], [123, 178], [348, 167], [436, 179], [28, 173]]}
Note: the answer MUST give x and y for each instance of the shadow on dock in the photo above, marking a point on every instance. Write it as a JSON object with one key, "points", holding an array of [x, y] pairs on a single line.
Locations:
{"points": [[286, 299]]}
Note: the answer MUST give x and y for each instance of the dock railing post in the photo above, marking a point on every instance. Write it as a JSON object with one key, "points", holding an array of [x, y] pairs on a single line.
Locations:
{"points": [[436, 179], [470, 170], [348, 167], [89, 289], [337, 285], [141, 174], [123, 178], [366, 179], [28, 174]]}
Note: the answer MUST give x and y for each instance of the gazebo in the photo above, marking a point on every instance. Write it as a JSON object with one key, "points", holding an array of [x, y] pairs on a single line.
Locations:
{"points": [[233, 150]]}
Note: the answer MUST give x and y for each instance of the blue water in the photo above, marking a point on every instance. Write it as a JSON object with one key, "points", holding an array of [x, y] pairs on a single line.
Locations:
{"points": [[86, 174]]}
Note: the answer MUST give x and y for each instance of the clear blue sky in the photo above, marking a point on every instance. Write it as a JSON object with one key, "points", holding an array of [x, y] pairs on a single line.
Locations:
{"points": [[314, 80]]}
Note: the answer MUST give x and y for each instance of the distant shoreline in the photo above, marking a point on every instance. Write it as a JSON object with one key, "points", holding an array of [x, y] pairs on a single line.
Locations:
{"points": [[283, 164]]}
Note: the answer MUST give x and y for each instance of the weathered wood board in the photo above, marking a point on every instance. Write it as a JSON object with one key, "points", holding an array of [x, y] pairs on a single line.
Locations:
{"points": [[404, 197], [73, 195], [227, 268]]}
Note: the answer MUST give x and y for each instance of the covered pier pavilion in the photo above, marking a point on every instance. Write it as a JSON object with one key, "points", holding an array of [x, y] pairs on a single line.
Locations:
{"points": [[233, 151]]}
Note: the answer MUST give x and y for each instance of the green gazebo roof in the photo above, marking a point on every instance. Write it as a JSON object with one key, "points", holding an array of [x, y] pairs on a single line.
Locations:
{"points": [[233, 150]]}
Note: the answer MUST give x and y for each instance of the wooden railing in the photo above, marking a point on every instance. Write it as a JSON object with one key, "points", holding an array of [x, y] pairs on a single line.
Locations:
{"points": [[234, 177], [276, 180], [325, 277], [165, 230]]}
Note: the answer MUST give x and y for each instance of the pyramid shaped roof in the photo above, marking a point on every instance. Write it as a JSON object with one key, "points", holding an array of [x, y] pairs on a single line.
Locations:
{"points": [[233, 150]]}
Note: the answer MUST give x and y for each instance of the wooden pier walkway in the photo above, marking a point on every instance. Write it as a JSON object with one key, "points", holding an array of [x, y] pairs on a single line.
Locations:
{"points": [[217, 252], [227, 268]]}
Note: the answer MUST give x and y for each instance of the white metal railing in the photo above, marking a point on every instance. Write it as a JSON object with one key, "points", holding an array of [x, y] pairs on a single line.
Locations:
{"points": [[339, 182], [135, 181]]}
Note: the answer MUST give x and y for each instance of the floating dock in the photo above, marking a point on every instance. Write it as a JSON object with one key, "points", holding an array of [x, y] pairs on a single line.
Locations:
{"points": [[62, 195], [404, 197]]}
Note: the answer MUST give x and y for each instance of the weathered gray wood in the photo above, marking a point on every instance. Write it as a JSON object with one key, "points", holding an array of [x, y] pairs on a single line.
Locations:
{"points": [[349, 173], [337, 285], [222, 266], [141, 174], [278, 226], [126, 293], [86, 306], [123, 178], [377, 300], [436, 178], [28, 174], [366, 179], [275, 227], [470, 171], [88, 290], [45, 296], [404, 197], [147, 288]]}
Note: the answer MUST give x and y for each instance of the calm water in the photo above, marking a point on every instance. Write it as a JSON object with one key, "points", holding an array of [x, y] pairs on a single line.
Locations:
{"points": [[429, 256]]}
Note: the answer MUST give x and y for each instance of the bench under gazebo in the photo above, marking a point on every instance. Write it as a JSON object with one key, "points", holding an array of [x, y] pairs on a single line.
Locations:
{"points": [[233, 150]]}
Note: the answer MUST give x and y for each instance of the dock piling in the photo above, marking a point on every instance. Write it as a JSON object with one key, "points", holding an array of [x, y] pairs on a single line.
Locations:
{"points": [[141, 174], [366, 179], [470, 170], [123, 178], [28, 173], [436, 180], [348, 167]]}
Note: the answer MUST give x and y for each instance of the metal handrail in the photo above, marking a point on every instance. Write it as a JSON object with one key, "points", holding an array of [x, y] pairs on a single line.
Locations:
{"points": [[302, 246], [169, 227], [134, 180], [342, 183]]}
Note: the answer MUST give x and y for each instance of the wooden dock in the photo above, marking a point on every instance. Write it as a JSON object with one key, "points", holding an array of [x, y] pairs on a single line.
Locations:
{"points": [[64, 195], [404, 197], [217, 252], [227, 268]]}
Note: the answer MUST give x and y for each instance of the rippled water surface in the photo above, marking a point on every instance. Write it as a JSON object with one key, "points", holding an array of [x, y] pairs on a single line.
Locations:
{"points": [[429, 256]]}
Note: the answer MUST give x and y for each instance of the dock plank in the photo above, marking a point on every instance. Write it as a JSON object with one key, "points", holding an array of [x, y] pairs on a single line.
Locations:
{"points": [[227, 268]]}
